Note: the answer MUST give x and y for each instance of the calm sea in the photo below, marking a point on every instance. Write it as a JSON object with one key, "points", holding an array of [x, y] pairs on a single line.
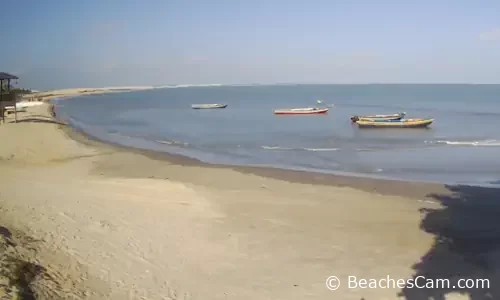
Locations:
{"points": [[461, 146]]}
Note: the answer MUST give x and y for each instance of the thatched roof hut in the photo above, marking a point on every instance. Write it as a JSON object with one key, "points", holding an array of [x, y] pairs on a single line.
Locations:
{"points": [[6, 97]]}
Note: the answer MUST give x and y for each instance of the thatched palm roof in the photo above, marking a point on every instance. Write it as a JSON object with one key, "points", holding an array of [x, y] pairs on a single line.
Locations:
{"points": [[6, 76]]}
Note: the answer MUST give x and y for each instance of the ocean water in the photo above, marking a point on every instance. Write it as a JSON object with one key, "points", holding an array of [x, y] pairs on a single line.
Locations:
{"points": [[461, 146]]}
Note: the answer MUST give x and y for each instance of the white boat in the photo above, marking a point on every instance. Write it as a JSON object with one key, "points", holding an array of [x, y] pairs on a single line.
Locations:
{"points": [[301, 111], [24, 104], [17, 108], [208, 106]]}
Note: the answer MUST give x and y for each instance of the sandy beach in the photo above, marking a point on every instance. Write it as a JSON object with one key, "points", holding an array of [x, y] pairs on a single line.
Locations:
{"points": [[73, 92], [104, 222]]}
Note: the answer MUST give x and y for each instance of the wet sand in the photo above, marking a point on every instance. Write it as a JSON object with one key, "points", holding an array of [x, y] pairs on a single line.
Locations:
{"points": [[124, 224]]}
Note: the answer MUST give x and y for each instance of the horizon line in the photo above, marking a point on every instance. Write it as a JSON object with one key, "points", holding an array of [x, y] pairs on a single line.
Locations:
{"points": [[181, 85]]}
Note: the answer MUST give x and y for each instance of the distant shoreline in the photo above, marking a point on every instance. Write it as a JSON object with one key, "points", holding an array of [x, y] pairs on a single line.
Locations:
{"points": [[49, 95], [73, 92], [66, 92]]}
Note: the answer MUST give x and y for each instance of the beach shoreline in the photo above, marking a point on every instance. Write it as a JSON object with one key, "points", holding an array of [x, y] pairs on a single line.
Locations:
{"points": [[332, 147], [404, 188], [126, 223], [398, 187]]}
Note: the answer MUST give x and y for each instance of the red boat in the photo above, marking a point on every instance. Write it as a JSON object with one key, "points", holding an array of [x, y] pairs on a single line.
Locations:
{"points": [[301, 111]]}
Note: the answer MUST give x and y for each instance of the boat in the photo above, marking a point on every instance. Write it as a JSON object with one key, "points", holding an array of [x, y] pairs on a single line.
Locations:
{"points": [[301, 111], [16, 108], [397, 116], [25, 104], [21, 106], [208, 106], [402, 123]]}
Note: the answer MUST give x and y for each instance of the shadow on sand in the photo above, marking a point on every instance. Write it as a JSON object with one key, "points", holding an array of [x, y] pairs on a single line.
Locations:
{"points": [[466, 246], [17, 273]]}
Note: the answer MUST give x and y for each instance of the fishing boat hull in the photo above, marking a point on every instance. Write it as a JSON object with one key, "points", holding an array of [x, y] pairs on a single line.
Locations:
{"points": [[208, 106], [407, 123], [389, 117], [301, 111]]}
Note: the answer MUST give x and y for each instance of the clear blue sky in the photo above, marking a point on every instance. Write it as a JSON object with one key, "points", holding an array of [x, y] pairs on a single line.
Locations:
{"points": [[91, 43]]}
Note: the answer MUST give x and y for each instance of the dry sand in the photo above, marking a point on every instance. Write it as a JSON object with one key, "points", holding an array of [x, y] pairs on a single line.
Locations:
{"points": [[109, 223]]}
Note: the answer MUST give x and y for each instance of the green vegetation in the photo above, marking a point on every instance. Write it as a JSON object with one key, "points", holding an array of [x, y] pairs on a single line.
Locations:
{"points": [[20, 91], [5, 87]]}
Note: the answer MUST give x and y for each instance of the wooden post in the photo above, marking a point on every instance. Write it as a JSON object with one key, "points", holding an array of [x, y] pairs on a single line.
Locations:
{"points": [[1, 101], [15, 107]]}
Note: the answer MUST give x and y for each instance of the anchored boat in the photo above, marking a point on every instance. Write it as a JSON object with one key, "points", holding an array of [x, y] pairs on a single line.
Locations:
{"points": [[389, 117], [405, 123], [208, 106], [301, 111]]}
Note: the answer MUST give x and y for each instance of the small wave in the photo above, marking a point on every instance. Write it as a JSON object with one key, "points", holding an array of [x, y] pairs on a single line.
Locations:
{"points": [[172, 142], [276, 148], [299, 149], [484, 143], [364, 149], [116, 133], [190, 85], [320, 149]]}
